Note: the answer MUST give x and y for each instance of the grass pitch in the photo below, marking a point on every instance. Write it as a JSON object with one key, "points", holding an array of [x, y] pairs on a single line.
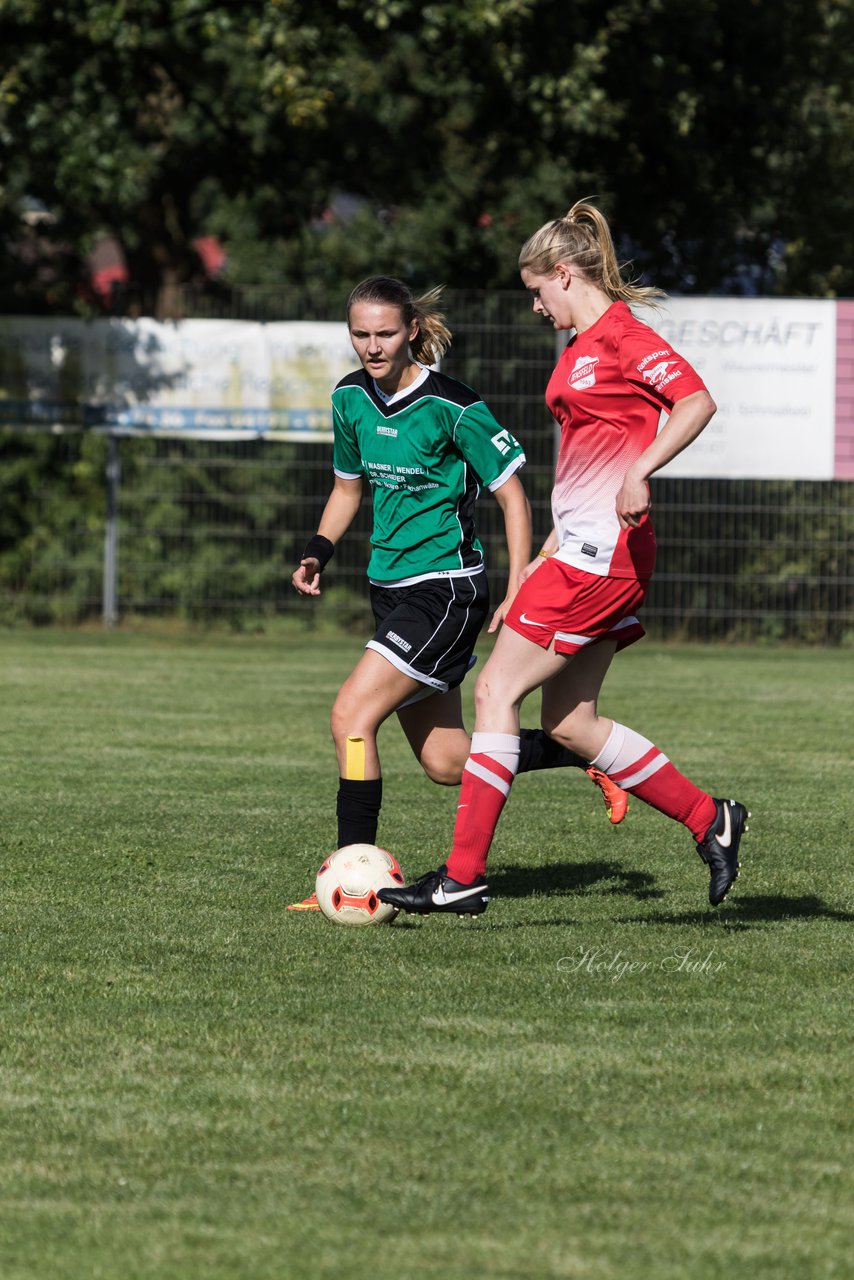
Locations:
{"points": [[602, 1078]]}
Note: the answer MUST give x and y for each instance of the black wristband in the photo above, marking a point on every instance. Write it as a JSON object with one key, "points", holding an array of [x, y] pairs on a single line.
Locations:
{"points": [[320, 549]]}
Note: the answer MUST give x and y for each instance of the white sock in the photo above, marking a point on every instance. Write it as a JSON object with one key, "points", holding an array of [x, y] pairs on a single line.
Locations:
{"points": [[628, 757], [503, 748]]}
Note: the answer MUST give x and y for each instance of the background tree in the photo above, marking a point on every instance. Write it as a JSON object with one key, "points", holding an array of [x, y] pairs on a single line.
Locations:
{"points": [[324, 141]]}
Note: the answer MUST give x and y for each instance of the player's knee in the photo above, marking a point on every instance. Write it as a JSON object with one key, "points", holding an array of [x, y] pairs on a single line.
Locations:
{"points": [[442, 770], [487, 692], [346, 722], [549, 725], [562, 738], [566, 732]]}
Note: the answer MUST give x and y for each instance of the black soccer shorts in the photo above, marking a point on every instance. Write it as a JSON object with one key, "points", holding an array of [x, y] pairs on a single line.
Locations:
{"points": [[429, 629]]}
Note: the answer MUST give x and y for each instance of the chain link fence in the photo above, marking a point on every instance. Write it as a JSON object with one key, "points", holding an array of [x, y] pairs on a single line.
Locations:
{"points": [[210, 531]]}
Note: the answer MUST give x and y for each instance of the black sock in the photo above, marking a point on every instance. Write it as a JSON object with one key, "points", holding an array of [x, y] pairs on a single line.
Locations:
{"points": [[538, 751], [358, 809]]}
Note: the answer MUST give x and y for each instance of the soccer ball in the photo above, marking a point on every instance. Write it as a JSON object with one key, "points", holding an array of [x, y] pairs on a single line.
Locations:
{"points": [[348, 881]]}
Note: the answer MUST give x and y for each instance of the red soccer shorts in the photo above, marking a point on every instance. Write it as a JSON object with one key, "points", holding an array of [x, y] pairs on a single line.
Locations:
{"points": [[574, 609]]}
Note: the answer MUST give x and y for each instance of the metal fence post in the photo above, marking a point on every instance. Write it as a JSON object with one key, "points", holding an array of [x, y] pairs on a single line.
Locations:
{"points": [[110, 607]]}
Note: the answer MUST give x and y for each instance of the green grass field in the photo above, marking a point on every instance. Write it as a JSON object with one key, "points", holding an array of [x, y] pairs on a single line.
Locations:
{"points": [[602, 1078]]}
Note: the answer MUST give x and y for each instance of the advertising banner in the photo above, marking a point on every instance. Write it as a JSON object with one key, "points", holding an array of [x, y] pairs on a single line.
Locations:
{"points": [[213, 378], [771, 368]]}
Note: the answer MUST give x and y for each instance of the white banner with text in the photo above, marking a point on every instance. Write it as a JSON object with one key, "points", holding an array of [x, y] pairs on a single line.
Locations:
{"points": [[771, 366]]}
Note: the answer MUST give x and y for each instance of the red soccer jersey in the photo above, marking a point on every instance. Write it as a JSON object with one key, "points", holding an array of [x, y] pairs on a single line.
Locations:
{"points": [[606, 394]]}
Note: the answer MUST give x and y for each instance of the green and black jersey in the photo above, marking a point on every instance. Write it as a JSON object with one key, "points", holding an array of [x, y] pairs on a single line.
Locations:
{"points": [[426, 452]]}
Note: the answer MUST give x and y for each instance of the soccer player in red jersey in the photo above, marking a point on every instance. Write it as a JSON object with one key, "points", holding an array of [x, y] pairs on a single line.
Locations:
{"points": [[578, 600]]}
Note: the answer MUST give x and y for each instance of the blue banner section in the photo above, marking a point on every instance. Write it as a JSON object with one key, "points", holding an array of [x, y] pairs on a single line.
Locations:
{"points": [[175, 418], [147, 417], [20, 413]]}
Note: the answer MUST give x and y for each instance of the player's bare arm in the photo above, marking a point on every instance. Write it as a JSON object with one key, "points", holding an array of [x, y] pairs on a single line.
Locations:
{"points": [[338, 514], [516, 509], [549, 547], [689, 417]]}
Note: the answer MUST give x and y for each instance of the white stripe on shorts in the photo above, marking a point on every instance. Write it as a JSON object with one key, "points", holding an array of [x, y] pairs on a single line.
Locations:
{"points": [[440, 685], [455, 592], [568, 638]]}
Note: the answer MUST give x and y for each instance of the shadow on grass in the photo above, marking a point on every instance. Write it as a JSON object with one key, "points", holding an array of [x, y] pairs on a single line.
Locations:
{"points": [[743, 913], [489, 923], [571, 877], [566, 878], [563, 879]]}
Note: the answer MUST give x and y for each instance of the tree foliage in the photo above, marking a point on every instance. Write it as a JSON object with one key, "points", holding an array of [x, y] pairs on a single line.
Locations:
{"points": [[325, 141]]}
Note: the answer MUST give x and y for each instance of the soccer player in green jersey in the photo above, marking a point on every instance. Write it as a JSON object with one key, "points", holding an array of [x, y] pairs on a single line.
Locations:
{"points": [[426, 444]]}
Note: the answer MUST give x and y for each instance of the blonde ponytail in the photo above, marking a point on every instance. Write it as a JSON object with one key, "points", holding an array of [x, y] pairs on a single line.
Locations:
{"points": [[583, 238]]}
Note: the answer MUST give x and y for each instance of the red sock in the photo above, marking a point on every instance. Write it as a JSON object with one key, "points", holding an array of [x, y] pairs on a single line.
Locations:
{"points": [[487, 778], [636, 765]]}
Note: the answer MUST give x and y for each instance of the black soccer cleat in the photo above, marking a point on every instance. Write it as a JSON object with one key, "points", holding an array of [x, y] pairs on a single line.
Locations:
{"points": [[719, 848], [436, 891]]}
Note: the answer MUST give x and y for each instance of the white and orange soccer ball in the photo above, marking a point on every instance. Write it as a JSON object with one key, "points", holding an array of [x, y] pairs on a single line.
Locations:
{"points": [[348, 882]]}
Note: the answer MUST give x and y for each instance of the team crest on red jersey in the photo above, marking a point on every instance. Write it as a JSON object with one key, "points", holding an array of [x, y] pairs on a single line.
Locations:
{"points": [[584, 373]]}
